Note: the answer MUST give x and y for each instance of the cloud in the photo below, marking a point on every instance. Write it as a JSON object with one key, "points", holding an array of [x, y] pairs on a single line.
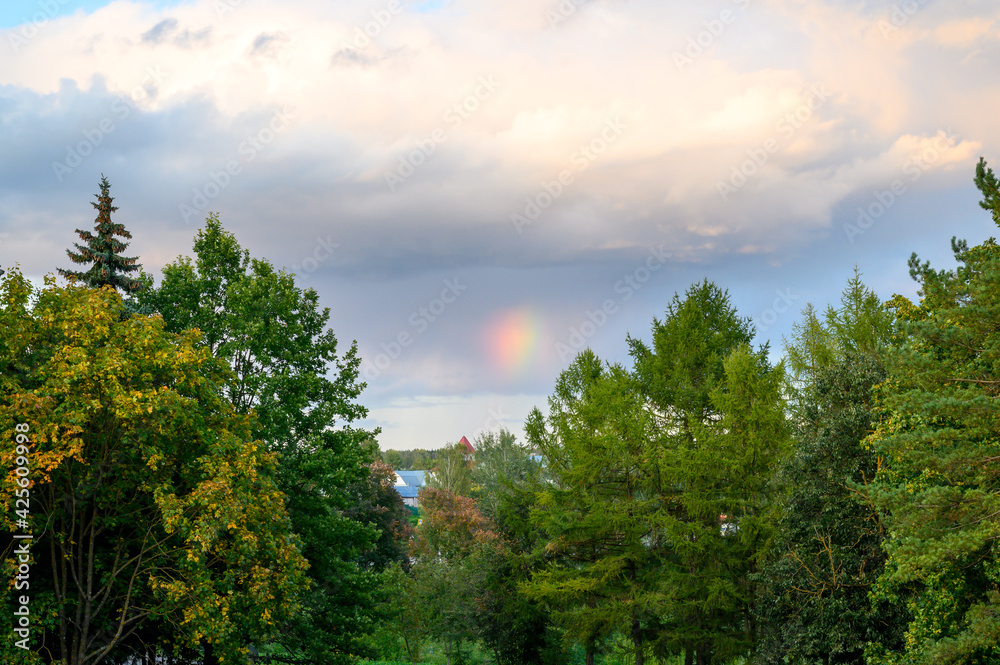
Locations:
{"points": [[436, 420], [415, 139], [160, 31], [361, 120], [166, 31], [267, 43]]}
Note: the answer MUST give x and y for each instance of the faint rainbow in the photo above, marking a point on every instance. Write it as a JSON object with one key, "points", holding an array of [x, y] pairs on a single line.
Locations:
{"points": [[513, 341]]}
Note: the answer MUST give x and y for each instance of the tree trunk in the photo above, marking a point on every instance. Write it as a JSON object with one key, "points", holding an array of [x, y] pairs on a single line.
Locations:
{"points": [[637, 642], [409, 651], [210, 657]]}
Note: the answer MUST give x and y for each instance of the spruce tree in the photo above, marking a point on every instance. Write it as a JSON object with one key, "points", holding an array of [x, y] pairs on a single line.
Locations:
{"points": [[103, 251]]}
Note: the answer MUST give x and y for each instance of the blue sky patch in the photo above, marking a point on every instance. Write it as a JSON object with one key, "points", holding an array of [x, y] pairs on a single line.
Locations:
{"points": [[18, 12]]}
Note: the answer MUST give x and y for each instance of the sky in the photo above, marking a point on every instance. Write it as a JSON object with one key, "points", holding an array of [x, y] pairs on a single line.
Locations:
{"points": [[480, 189]]}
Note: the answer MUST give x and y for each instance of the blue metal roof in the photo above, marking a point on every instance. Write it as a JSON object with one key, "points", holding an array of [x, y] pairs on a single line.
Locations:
{"points": [[413, 478], [407, 491]]}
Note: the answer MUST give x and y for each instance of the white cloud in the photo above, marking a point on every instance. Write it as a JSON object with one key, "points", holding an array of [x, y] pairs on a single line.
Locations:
{"points": [[200, 84], [428, 421]]}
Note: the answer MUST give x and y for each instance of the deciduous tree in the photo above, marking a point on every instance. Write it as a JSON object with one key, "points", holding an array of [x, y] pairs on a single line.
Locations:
{"points": [[502, 466], [814, 605], [445, 574], [375, 502], [452, 470], [151, 501], [286, 369]]}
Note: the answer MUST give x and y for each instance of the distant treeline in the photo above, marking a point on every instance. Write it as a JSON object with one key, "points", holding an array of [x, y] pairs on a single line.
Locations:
{"points": [[410, 460]]}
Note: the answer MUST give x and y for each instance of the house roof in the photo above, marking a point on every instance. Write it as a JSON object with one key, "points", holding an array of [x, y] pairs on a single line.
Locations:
{"points": [[468, 446], [407, 491], [412, 478]]}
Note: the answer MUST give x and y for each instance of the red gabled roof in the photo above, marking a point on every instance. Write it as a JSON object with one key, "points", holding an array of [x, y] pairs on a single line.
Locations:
{"points": [[468, 446]]}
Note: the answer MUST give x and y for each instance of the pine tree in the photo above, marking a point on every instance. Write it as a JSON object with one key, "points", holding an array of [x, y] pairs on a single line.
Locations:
{"points": [[103, 251], [940, 439]]}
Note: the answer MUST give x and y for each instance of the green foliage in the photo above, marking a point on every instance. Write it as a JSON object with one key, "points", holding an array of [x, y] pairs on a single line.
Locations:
{"points": [[375, 502], [152, 502], [827, 555], [103, 251], [939, 437], [405, 626], [689, 348], [394, 459], [718, 513], [720, 432], [410, 460], [662, 495], [828, 550], [452, 470], [414, 515], [285, 368], [861, 327], [446, 590], [444, 578], [501, 467], [514, 629], [989, 187], [601, 576]]}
